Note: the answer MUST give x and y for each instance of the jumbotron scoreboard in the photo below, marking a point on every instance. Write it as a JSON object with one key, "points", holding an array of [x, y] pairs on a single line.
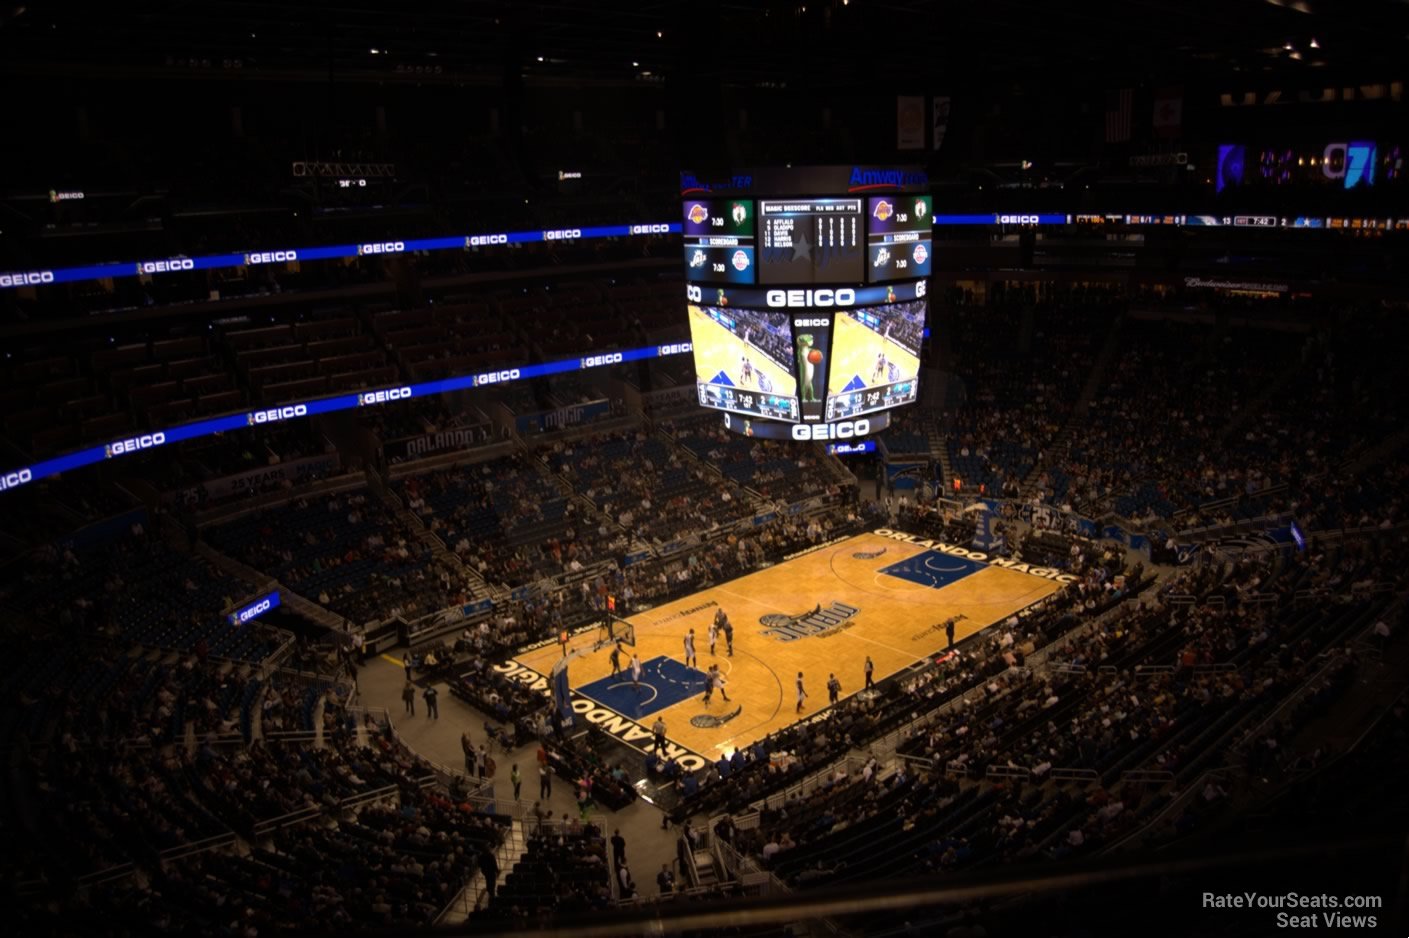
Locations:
{"points": [[807, 292]]}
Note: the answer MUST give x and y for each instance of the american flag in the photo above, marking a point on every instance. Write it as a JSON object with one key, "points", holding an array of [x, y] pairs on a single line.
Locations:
{"points": [[1118, 115]]}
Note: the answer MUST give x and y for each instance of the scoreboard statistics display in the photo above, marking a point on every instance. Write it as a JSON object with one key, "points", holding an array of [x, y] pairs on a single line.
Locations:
{"points": [[899, 243], [719, 240], [807, 296], [811, 240]]}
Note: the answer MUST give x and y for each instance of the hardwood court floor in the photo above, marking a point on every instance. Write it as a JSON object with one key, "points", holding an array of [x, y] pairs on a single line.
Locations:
{"points": [[894, 623]]}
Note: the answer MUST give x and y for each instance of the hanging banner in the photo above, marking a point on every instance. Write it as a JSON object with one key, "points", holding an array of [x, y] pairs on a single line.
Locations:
{"points": [[909, 122], [940, 119]]}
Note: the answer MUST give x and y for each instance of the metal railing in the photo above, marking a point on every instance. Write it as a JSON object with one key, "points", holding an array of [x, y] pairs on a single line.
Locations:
{"points": [[216, 842]]}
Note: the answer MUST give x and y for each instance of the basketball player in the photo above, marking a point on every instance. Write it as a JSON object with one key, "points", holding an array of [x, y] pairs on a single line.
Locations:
{"points": [[880, 370], [801, 692], [709, 685], [690, 660], [636, 672], [713, 635], [719, 682], [729, 635], [870, 673], [833, 688], [616, 660], [745, 370]]}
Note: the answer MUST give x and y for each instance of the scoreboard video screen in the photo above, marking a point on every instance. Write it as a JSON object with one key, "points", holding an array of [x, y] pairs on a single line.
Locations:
{"points": [[807, 295], [875, 359], [743, 361]]}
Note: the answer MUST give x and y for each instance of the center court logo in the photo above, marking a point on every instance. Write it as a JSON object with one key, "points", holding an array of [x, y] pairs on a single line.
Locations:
{"points": [[868, 554], [820, 622]]}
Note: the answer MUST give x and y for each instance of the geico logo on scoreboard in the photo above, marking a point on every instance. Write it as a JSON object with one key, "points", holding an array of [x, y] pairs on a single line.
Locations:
{"points": [[271, 257], [562, 234], [133, 444], [824, 297], [474, 241], [383, 397], [497, 377], [595, 361], [841, 430], [679, 348], [1017, 219], [818, 323], [650, 229], [27, 279], [275, 414], [382, 247], [163, 267], [14, 479]]}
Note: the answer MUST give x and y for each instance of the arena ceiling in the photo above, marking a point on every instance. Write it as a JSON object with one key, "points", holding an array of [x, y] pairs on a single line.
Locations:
{"points": [[809, 42]]}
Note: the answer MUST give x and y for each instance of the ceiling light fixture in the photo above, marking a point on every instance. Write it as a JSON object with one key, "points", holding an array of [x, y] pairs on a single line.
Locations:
{"points": [[1314, 43]]}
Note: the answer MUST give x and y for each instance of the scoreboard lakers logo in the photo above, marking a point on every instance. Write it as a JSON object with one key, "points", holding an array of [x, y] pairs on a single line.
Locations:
{"points": [[883, 210], [820, 622], [698, 214]]}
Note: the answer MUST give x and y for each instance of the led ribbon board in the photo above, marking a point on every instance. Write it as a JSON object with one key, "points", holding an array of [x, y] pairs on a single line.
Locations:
{"points": [[254, 610], [165, 265], [326, 405]]}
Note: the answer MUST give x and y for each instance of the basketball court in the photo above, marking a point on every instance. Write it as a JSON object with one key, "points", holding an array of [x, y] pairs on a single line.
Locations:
{"points": [[821, 613]]}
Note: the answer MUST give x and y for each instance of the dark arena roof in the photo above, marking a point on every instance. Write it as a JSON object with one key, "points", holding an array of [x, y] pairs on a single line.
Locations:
{"points": [[825, 468]]}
